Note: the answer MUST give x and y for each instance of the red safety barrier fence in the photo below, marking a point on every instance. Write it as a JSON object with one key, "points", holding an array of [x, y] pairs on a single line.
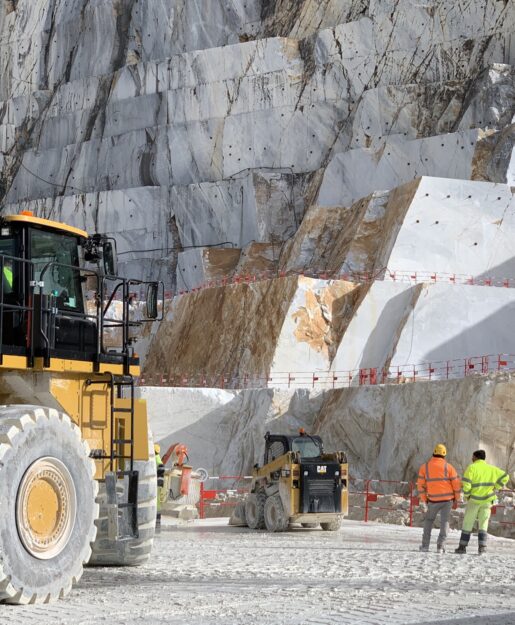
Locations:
{"points": [[399, 374], [374, 491], [377, 496], [508, 497], [218, 497], [385, 274]]}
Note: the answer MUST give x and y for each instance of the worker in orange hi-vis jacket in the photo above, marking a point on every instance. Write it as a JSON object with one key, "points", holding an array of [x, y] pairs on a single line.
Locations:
{"points": [[439, 486]]}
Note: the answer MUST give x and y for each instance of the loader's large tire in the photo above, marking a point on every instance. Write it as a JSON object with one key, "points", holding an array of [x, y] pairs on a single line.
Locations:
{"points": [[254, 510], [47, 504], [332, 526], [275, 516], [129, 552]]}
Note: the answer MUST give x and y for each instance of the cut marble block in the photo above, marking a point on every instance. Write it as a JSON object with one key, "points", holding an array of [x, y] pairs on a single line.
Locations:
{"points": [[238, 211], [470, 154], [402, 327], [200, 266], [438, 226]]}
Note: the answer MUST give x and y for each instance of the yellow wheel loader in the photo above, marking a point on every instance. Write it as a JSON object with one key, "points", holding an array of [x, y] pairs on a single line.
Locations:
{"points": [[77, 468], [298, 483]]}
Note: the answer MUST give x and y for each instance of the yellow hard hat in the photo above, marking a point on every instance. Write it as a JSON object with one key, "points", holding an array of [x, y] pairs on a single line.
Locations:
{"points": [[157, 449], [440, 450]]}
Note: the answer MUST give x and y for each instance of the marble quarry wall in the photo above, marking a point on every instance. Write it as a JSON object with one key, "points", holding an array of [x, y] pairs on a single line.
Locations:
{"points": [[387, 431], [301, 324], [198, 123], [353, 161]]}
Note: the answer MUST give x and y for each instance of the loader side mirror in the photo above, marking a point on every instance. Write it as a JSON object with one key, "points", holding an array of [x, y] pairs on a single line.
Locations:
{"points": [[110, 260], [152, 293]]}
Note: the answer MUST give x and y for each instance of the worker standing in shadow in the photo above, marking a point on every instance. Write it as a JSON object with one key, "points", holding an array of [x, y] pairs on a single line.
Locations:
{"points": [[439, 487]]}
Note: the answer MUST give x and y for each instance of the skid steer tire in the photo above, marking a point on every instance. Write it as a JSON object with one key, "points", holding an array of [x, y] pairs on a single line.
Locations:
{"points": [[310, 526], [255, 510], [129, 551], [47, 504], [332, 526], [275, 517]]}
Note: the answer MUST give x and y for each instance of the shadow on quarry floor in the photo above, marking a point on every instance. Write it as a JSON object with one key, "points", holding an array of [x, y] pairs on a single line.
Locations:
{"points": [[503, 619], [226, 529]]}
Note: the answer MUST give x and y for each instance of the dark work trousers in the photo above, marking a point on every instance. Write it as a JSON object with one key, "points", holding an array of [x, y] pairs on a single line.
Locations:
{"points": [[444, 508]]}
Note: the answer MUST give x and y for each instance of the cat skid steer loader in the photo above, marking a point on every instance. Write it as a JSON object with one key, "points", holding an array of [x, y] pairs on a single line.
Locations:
{"points": [[298, 483], [77, 468]]}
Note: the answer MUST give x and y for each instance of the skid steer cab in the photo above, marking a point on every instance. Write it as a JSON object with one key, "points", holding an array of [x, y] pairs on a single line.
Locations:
{"points": [[298, 483]]}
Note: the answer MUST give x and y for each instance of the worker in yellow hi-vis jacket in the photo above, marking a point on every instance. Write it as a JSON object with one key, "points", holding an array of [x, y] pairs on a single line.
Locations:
{"points": [[480, 483]]}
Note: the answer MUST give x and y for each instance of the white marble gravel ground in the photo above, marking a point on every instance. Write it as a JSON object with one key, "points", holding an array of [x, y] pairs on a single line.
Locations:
{"points": [[207, 573]]}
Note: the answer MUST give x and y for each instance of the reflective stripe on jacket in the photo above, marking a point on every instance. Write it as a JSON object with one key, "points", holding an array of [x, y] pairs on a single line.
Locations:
{"points": [[438, 481], [481, 480]]}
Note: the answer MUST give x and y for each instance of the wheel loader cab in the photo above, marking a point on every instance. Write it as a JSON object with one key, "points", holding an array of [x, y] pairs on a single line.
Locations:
{"points": [[59, 294], [43, 294]]}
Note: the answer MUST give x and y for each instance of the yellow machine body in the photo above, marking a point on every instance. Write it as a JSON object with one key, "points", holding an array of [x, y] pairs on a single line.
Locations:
{"points": [[67, 365], [285, 473], [64, 386]]}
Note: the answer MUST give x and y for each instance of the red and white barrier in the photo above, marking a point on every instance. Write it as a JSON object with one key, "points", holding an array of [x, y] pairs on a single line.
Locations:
{"points": [[400, 374], [373, 491], [390, 275], [217, 497]]}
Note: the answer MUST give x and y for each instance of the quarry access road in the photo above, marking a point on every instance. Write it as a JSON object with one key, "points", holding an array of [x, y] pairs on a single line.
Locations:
{"points": [[207, 573]]}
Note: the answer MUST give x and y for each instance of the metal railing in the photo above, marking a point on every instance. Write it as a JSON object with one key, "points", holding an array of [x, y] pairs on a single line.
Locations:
{"points": [[38, 311]]}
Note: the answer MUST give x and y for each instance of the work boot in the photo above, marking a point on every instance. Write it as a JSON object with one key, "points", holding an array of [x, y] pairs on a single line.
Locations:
{"points": [[424, 549], [464, 541], [482, 537], [440, 549]]}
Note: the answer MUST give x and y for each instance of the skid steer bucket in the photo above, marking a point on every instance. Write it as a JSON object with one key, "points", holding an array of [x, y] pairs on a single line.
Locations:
{"points": [[238, 516]]}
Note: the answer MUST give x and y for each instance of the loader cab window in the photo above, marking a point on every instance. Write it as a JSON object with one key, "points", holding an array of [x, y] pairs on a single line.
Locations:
{"points": [[308, 447], [13, 329], [8, 248], [60, 279]]}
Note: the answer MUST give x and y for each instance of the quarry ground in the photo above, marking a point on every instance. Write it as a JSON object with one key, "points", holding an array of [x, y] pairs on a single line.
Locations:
{"points": [[208, 573]]}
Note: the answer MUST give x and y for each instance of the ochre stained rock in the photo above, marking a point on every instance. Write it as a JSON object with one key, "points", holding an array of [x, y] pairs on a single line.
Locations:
{"points": [[320, 322], [231, 330]]}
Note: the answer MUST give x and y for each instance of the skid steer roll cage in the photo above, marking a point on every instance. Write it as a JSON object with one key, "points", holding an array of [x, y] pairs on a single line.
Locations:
{"points": [[40, 313]]}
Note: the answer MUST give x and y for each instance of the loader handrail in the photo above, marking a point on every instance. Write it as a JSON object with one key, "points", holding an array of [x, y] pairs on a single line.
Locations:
{"points": [[36, 329]]}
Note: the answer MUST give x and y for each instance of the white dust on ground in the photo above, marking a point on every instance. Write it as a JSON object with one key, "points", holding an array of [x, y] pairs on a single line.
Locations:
{"points": [[207, 573]]}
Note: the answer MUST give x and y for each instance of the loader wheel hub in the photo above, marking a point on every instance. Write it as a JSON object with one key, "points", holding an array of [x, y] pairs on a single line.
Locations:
{"points": [[45, 508]]}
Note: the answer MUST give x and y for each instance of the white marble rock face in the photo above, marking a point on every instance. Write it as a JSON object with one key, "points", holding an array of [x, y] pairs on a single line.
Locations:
{"points": [[387, 431], [198, 96], [183, 126]]}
